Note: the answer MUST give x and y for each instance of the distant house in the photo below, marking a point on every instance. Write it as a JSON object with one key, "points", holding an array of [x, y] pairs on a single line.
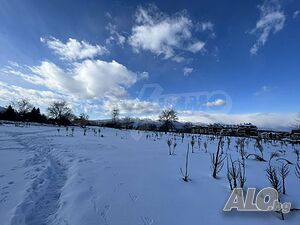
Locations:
{"points": [[228, 130], [215, 129], [247, 130], [275, 135], [200, 129], [295, 134]]}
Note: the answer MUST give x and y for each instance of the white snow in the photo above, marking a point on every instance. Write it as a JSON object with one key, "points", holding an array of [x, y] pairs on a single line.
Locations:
{"points": [[122, 178]]}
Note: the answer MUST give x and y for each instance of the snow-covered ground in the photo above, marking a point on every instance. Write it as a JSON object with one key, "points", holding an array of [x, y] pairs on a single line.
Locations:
{"points": [[123, 178]]}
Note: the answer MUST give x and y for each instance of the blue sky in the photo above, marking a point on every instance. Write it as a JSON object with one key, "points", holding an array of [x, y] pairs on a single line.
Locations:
{"points": [[239, 60]]}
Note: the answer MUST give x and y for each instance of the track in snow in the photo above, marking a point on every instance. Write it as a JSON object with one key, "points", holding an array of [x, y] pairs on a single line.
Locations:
{"points": [[42, 197]]}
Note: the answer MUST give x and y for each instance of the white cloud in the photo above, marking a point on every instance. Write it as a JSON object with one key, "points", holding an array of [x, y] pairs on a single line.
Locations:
{"points": [[84, 83], [205, 26], [11, 93], [178, 59], [262, 90], [89, 79], [196, 47], [74, 50], [187, 71], [271, 20], [295, 14], [132, 106], [217, 102], [263, 120], [143, 75], [115, 36], [162, 34]]}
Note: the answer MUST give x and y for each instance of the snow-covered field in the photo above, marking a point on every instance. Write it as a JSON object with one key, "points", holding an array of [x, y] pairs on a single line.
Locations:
{"points": [[123, 178]]}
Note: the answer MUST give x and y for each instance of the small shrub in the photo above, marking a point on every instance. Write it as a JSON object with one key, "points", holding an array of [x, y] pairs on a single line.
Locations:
{"points": [[297, 152], [297, 170], [174, 147], [169, 143], [193, 143], [217, 160], [185, 174], [284, 172]]}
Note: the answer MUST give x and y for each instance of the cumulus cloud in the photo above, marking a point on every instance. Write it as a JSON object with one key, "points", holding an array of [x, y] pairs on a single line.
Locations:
{"points": [[217, 102], [187, 71], [295, 14], [73, 49], [132, 106], [86, 80], [272, 19], [85, 83], [162, 34], [11, 93], [86, 86]]}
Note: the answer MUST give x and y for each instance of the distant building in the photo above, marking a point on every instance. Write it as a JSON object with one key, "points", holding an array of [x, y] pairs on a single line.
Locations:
{"points": [[247, 130], [295, 134]]}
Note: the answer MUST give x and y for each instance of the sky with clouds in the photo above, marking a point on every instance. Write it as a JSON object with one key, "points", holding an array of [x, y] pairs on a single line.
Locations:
{"points": [[213, 61]]}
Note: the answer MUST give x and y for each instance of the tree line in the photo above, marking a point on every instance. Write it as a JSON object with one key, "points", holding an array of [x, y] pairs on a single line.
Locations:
{"points": [[23, 111], [60, 113]]}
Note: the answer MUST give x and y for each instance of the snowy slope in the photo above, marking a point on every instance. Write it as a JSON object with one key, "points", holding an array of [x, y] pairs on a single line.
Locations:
{"points": [[125, 177]]}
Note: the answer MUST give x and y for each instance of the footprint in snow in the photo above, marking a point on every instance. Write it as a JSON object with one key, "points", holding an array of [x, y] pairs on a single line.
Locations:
{"points": [[104, 213], [3, 199], [133, 197], [147, 220]]}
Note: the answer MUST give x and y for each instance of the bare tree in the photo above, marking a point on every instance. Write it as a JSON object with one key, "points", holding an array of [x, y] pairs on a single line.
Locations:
{"points": [[241, 146], [185, 174], [242, 175], [169, 143], [297, 152], [60, 111], [205, 146], [174, 147], [297, 170], [168, 117], [217, 160], [236, 174], [259, 146], [284, 172], [232, 173], [115, 113], [83, 119], [128, 122], [23, 106], [274, 180], [272, 156], [193, 143]]}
